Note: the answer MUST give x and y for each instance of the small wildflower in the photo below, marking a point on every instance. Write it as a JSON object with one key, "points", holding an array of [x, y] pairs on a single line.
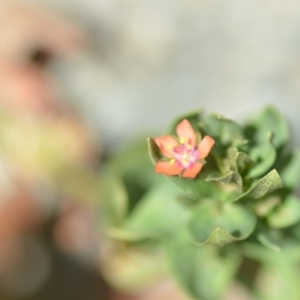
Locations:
{"points": [[183, 155]]}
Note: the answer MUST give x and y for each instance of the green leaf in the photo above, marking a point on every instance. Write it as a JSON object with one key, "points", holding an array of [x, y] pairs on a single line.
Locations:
{"points": [[156, 215], [133, 166], [238, 162], [242, 162], [290, 175], [203, 272], [278, 282], [195, 187], [278, 276], [221, 224], [126, 235], [220, 237], [225, 179], [290, 253], [263, 186], [114, 200], [270, 239], [227, 131], [287, 214], [270, 120], [264, 156], [264, 206], [153, 150], [131, 158]]}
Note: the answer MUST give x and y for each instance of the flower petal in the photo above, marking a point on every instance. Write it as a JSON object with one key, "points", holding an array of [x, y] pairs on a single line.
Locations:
{"points": [[185, 131], [205, 146], [192, 171], [166, 144], [167, 168]]}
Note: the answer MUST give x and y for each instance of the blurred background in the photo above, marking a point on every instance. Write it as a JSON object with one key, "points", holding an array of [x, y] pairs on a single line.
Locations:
{"points": [[160, 58], [79, 79]]}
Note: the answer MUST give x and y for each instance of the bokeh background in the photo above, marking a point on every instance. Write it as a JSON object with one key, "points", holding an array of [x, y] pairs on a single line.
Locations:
{"points": [[150, 60], [81, 78]]}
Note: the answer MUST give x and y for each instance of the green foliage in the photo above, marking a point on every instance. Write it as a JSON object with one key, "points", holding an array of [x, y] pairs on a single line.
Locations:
{"points": [[204, 272], [285, 215], [221, 224], [241, 205], [151, 219]]}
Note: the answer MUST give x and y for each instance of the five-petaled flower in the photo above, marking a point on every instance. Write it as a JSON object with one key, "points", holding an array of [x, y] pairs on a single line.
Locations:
{"points": [[183, 156]]}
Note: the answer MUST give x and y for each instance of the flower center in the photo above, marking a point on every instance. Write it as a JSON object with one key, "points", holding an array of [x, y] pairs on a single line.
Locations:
{"points": [[185, 155]]}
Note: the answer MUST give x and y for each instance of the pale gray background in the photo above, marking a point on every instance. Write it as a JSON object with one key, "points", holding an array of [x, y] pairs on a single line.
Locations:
{"points": [[153, 59]]}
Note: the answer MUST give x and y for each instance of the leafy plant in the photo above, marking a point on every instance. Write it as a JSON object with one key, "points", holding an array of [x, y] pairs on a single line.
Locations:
{"points": [[236, 207]]}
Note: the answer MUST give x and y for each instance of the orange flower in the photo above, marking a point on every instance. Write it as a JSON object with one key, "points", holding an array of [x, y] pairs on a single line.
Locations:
{"points": [[185, 156]]}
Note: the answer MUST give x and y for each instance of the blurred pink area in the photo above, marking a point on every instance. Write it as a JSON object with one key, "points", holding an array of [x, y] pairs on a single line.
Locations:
{"points": [[31, 109], [28, 39], [19, 216]]}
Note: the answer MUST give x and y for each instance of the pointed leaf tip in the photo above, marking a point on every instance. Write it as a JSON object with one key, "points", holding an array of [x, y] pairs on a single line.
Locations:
{"points": [[153, 150]]}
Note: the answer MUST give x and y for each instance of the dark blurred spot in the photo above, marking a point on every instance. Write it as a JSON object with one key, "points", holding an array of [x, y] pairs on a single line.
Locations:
{"points": [[236, 233], [135, 190], [248, 271], [40, 57]]}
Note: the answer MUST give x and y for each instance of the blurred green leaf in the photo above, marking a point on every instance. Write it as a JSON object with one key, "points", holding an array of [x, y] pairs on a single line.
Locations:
{"points": [[225, 130], [225, 179], [278, 282], [237, 163], [119, 233], [133, 167], [133, 161], [271, 120], [264, 156], [286, 214], [202, 271], [220, 237], [221, 224], [156, 215], [114, 199], [290, 252], [270, 239], [290, 174], [195, 187], [279, 274], [153, 150], [242, 162], [265, 205]]}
